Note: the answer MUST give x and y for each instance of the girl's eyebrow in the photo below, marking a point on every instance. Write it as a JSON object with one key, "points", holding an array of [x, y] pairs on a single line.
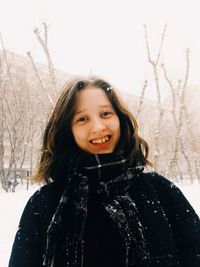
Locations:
{"points": [[105, 106], [100, 106], [80, 111]]}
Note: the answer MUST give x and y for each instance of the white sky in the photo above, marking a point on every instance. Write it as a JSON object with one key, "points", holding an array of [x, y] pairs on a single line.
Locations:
{"points": [[106, 36]]}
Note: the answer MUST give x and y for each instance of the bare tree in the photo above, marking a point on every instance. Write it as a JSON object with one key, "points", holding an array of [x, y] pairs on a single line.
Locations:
{"points": [[155, 65], [178, 94], [2, 129], [141, 98], [44, 43]]}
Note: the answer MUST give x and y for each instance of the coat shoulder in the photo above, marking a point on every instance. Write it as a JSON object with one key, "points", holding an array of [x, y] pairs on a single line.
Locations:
{"points": [[160, 182], [170, 195], [41, 204], [46, 197], [155, 177]]}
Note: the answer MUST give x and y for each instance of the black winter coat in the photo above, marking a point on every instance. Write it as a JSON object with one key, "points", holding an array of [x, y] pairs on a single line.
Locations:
{"points": [[172, 227]]}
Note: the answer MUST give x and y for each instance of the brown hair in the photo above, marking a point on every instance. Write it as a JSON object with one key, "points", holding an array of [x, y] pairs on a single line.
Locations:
{"points": [[58, 139]]}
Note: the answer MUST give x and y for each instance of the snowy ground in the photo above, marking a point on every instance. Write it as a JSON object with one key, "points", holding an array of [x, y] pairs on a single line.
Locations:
{"points": [[12, 204]]}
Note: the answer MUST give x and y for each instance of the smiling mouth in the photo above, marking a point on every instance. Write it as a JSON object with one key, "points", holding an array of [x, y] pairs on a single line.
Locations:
{"points": [[98, 141]]}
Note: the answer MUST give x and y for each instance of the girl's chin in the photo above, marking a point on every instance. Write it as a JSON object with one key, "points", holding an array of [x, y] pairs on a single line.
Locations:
{"points": [[100, 151]]}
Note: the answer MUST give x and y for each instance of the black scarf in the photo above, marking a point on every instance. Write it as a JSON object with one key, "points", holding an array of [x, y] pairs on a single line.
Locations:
{"points": [[71, 213]]}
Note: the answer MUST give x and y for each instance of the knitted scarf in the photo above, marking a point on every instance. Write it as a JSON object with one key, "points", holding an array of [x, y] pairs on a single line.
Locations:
{"points": [[71, 213]]}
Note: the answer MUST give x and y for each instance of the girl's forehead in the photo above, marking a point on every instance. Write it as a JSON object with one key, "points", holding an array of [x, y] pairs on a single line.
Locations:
{"points": [[92, 96]]}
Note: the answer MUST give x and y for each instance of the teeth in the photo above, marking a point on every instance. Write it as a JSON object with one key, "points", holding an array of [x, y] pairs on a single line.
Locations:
{"points": [[100, 141]]}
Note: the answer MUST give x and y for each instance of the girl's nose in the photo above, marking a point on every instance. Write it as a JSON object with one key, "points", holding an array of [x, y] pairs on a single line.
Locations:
{"points": [[98, 126]]}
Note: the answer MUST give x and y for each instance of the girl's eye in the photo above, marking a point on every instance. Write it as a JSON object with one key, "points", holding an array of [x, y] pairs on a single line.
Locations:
{"points": [[106, 113], [82, 119]]}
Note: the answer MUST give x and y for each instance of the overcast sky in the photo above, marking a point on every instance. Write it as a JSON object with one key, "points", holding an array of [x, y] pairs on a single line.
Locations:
{"points": [[106, 36]]}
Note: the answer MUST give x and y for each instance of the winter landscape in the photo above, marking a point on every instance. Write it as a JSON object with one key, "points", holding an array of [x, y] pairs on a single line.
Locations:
{"points": [[150, 54]]}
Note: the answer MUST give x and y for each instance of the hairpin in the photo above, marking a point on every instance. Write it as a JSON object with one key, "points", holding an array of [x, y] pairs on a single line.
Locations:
{"points": [[80, 85], [109, 89]]}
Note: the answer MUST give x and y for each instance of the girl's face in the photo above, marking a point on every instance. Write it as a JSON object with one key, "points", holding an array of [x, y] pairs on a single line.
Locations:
{"points": [[95, 125]]}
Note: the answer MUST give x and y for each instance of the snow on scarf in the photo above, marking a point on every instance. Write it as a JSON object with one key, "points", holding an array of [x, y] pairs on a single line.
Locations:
{"points": [[71, 213]]}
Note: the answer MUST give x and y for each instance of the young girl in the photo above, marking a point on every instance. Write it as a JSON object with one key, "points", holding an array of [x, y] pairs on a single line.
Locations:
{"points": [[98, 208]]}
